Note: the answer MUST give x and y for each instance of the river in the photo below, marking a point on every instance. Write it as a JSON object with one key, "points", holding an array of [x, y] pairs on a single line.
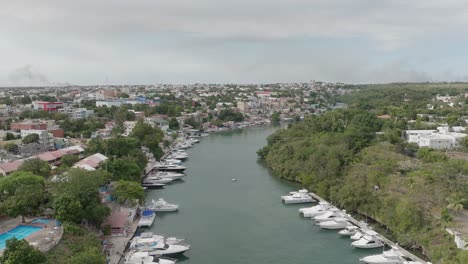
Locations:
{"points": [[243, 221]]}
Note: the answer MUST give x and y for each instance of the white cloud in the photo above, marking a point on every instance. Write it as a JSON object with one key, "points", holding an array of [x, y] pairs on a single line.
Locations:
{"points": [[186, 40]]}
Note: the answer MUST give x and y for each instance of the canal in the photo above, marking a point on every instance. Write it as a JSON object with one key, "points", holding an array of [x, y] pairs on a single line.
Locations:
{"points": [[243, 221]]}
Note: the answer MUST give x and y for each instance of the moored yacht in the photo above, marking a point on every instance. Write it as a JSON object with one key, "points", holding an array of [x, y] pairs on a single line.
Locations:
{"points": [[157, 179], [168, 174], [172, 161], [357, 235], [162, 206], [349, 230], [147, 218], [147, 239], [141, 257], [313, 211], [302, 196], [337, 223], [392, 256], [184, 145], [169, 167], [369, 240], [163, 248], [329, 215]]}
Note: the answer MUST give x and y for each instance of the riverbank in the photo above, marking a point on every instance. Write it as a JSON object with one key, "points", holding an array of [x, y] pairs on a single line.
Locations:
{"points": [[372, 177]]}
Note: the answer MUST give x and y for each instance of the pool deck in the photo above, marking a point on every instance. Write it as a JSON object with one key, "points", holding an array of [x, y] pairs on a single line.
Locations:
{"points": [[44, 239]]}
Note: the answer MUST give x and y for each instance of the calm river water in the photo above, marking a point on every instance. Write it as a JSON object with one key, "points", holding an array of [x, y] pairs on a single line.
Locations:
{"points": [[243, 222]]}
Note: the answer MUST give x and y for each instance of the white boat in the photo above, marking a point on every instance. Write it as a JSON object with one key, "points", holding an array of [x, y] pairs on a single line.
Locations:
{"points": [[163, 248], [313, 211], [391, 256], [172, 161], [329, 215], [152, 185], [147, 218], [156, 179], [337, 223], [302, 196], [162, 206], [147, 240], [194, 140], [204, 134], [349, 230], [369, 240], [357, 235], [184, 145], [168, 174], [178, 154], [141, 257], [168, 167]]}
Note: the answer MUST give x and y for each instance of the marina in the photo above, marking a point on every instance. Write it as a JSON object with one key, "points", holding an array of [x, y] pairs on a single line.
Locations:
{"points": [[231, 213]]}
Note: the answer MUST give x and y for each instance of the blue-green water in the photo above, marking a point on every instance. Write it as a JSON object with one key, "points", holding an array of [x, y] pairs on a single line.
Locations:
{"points": [[243, 222]]}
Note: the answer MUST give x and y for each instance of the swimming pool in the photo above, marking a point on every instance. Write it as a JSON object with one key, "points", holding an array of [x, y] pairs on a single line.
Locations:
{"points": [[19, 232], [41, 221]]}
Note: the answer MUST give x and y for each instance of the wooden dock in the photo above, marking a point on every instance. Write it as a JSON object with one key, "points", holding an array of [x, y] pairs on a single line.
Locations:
{"points": [[381, 237]]}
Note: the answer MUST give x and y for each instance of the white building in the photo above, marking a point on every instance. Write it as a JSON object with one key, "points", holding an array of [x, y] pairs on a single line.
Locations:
{"points": [[437, 139], [77, 113], [128, 126], [109, 104]]}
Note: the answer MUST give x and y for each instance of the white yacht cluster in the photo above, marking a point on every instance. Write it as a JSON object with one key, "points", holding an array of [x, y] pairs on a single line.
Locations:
{"points": [[328, 216], [148, 247]]}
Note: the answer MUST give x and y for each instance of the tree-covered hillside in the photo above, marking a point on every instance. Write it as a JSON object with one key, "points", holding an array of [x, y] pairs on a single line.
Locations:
{"points": [[361, 163]]}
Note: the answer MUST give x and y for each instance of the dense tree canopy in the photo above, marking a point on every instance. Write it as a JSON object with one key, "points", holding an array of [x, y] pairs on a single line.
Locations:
{"points": [[31, 138], [36, 166], [20, 252], [128, 191], [21, 193], [81, 187]]}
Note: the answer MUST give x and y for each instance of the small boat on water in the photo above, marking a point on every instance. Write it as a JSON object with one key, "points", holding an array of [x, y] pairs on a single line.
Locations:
{"points": [[152, 185], [184, 145], [178, 154], [392, 256], [329, 215], [349, 230], [141, 257], [147, 239], [157, 179], [169, 167], [301, 196], [162, 206], [172, 161], [337, 223], [313, 211], [369, 240], [147, 218]]}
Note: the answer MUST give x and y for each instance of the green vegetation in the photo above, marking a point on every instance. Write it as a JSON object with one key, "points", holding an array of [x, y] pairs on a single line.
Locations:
{"points": [[230, 115], [78, 246], [10, 147], [36, 166], [275, 119], [413, 192], [20, 252], [129, 191], [174, 124], [21, 193], [76, 199], [31, 138]]}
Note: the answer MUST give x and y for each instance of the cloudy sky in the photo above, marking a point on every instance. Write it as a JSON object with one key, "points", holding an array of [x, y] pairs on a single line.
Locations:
{"points": [[232, 41]]}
